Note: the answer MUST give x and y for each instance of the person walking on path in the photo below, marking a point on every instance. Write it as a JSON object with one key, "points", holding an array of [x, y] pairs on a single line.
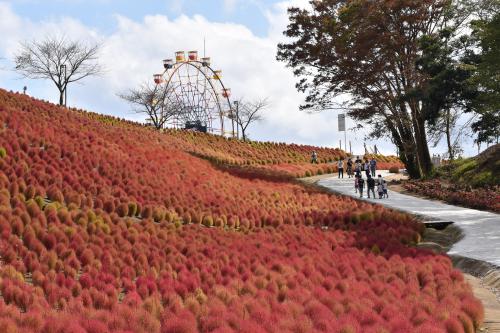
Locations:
{"points": [[380, 188], [370, 182], [340, 166], [384, 186], [366, 167], [356, 184], [361, 184], [357, 167], [349, 168], [373, 166], [314, 157]]}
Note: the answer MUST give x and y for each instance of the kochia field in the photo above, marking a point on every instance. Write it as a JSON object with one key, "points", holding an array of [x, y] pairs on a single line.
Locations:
{"points": [[109, 226]]}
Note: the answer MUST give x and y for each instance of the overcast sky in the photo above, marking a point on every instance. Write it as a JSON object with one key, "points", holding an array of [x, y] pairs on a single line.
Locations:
{"points": [[241, 38]]}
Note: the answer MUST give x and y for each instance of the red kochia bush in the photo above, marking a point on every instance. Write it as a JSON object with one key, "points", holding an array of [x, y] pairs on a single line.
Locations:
{"points": [[90, 261]]}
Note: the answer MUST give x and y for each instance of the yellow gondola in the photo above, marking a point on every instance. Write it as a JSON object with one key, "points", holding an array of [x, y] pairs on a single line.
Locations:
{"points": [[217, 75], [180, 56]]}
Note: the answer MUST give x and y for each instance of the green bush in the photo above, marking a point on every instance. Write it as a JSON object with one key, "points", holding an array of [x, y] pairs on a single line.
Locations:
{"points": [[208, 221], [482, 179], [462, 167], [394, 169], [3, 152]]}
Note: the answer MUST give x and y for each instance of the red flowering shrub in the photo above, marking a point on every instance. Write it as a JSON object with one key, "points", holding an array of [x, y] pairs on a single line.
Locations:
{"points": [[101, 234], [480, 198]]}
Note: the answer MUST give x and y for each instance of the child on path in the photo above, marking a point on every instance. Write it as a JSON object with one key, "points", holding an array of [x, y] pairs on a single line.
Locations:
{"points": [[356, 185], [384, 185], [380, 188]]}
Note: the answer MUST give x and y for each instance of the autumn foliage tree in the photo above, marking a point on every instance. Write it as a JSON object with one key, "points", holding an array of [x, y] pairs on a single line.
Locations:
{"points": [[367, 50]]}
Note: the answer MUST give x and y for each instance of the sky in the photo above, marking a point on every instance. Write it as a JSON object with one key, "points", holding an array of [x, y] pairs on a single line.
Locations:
{"points": [[241, 39]]}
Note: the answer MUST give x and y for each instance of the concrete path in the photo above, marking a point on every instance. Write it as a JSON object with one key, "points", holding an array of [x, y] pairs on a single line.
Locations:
{"points": [[481, 229]]}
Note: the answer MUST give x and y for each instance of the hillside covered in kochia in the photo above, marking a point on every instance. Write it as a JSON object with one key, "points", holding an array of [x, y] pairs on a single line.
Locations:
{"points": [[107, 226]]}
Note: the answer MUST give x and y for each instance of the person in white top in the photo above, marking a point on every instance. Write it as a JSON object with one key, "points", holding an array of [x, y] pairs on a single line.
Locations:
{"points": [[340, 166], [380, 189]]}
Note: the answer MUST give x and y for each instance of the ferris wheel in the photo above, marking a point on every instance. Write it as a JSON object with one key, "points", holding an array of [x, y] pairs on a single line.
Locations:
{"points": [[198, 93]]}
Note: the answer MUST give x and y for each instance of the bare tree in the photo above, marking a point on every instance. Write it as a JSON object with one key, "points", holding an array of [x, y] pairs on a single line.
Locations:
{"points": [[57, 59], [447, 126], [150, 99], [247, 113]]}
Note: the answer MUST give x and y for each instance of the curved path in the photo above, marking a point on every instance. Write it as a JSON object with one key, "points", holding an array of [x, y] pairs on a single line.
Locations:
{"points": [[481, 229]]}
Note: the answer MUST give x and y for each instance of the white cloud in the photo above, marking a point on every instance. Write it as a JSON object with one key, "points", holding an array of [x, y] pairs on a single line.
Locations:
{"points": [[134, 50], [230, 5]]}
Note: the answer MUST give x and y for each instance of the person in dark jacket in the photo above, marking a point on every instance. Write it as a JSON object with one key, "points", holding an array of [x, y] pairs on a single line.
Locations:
{"points": [[349, 168], [373, 166], [361, 184], [370, 182]]}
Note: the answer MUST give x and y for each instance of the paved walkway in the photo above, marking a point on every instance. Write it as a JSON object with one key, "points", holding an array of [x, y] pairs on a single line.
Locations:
{"points": [[481, 229]]}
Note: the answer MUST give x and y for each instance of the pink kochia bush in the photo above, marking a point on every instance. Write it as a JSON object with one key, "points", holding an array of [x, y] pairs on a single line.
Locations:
{"points": [[481, 198], [106, 227]]}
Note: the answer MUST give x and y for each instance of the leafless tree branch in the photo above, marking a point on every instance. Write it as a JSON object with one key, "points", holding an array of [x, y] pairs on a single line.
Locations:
{"points": [[248, 113], [151, 100], [45, 59]]}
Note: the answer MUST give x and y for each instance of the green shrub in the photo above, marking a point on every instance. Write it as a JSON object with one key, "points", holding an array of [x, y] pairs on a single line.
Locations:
{"points": [[132, 209], [208, 221], [3, 152], [481, 179], [394, 169], [463, 166], [375, 249]]}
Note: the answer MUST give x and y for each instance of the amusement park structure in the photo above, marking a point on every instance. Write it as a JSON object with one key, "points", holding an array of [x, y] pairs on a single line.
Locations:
{"points": [[197, 90]]}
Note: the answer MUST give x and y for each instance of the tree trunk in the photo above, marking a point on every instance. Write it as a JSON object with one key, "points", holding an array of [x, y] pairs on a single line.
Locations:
{"points": [[448, 136], [405, 143], [422, 148], [409, 159], [61, 97]]}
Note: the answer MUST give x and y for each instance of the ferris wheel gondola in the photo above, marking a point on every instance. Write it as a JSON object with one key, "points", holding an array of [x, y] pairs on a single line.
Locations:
{"points": [[196, 89]]}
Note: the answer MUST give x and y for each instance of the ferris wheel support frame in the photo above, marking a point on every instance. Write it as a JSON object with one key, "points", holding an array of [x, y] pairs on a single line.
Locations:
{"points": [[176, 66]]}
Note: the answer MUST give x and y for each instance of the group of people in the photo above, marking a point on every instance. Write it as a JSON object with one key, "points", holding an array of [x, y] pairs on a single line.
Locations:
{"points": [[371, 183], [355, 169]]}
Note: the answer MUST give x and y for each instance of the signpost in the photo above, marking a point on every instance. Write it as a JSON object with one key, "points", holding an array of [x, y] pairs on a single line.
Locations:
{"points": [[343, 129]]}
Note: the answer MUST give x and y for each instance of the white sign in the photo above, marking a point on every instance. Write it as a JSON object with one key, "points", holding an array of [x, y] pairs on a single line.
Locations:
{"points": [[342, 122]]}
